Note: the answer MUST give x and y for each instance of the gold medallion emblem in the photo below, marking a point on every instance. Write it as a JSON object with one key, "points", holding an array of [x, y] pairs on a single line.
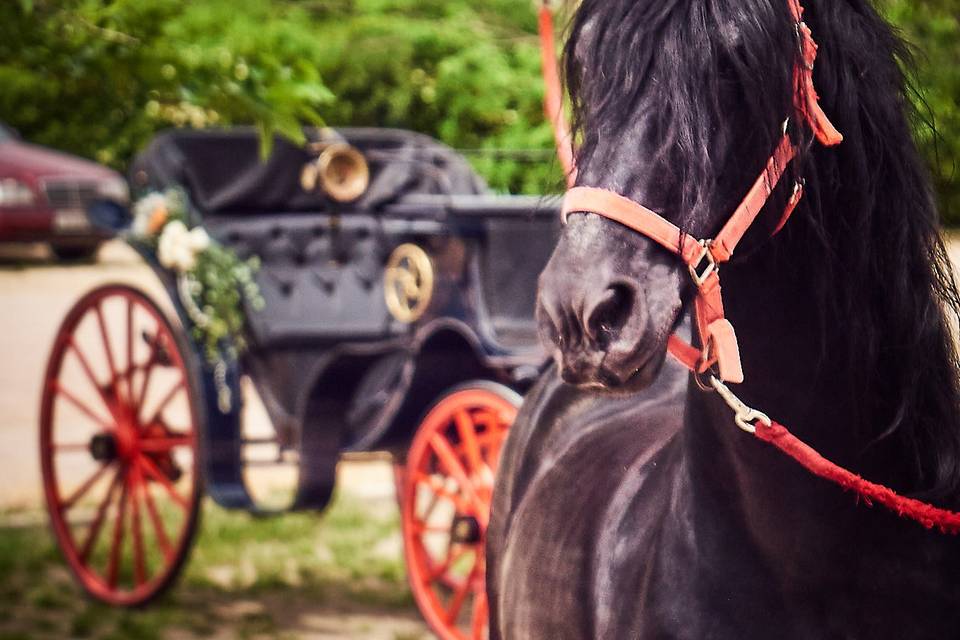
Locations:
{"points": [[408, 283]]}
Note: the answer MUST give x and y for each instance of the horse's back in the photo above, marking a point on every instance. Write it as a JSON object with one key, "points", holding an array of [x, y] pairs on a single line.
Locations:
{"points": [[579, 470]]}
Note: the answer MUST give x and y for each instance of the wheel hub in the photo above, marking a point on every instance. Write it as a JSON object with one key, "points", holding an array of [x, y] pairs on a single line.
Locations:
{"points": [[465, 530], [103, 447]]}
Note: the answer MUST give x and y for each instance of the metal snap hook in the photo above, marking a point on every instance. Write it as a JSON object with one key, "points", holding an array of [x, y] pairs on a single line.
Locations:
{"points": [[745, 416]]}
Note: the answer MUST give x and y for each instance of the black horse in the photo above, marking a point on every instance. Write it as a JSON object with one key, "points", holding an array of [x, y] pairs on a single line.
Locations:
{"points": [[628, 505]]}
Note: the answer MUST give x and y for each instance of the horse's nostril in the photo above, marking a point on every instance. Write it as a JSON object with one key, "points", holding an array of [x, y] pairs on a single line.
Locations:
{"points": [[548, 322], [610, 313]]}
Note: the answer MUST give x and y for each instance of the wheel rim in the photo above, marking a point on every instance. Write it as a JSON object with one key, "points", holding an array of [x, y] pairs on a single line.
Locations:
{"points": [[447, 486], [118, 443]]}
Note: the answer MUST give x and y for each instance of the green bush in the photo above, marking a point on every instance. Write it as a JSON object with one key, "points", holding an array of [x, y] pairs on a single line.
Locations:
{"points": [[933, 26], [100, 77]]}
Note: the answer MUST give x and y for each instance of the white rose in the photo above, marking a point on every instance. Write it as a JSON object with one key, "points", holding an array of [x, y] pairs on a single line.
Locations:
{"points": [[178, 247], [199, 240]]}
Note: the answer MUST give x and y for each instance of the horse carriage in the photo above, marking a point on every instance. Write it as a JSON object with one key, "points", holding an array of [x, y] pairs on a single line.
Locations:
{"points": [[397, 316]]}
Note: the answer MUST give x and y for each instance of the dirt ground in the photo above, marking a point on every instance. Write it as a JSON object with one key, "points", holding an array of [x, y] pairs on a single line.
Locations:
{"points": [[35, 294]]}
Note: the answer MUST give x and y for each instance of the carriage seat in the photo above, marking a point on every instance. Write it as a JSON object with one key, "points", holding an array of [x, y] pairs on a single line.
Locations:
{"points": [[223, 171]]}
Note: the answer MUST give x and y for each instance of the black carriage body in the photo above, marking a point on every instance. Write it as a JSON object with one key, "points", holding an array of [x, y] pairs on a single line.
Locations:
{"points": [[336, 370]]}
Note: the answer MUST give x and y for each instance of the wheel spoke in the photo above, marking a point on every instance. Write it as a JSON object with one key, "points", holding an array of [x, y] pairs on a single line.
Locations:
{"points": [[434, 500], [167, 399], [152, 471], [468, 436], [148, 369], [67, 504], [438, 488], [459, 595], [161, 535], [81, 405], [480, 614], [106, 342], [452, 557], [88, 371], [116, 551], [72, 447], [94, 531], [448, 458], [422, 527], [136, 521], [165, 444], [129, 336]]}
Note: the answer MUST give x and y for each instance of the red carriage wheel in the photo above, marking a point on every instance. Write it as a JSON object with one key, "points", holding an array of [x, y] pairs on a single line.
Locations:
{"points": [[445, 494], [118, 446]]}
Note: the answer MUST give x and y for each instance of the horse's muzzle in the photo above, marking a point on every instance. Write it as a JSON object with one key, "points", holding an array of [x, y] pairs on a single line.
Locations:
{"points": [[597, 331]]}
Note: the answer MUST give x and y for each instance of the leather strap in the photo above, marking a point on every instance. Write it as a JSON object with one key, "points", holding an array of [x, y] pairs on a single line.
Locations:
{"points": [[632, 215], [746, 214], [553, 95]]}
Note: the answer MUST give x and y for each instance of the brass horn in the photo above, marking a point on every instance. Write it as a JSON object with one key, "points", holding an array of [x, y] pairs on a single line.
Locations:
{"points": [[340, 171]]}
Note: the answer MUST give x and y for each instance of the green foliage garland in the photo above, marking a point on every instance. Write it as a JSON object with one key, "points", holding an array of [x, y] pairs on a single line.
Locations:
{"points": [[214, 285]]}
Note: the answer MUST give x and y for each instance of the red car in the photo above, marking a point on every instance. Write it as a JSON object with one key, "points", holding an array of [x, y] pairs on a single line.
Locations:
{"points": [[44, 196]]}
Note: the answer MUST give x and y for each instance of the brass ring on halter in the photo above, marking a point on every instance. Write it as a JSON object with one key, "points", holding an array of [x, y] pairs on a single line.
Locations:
{"points": [[704, 386], [704, 378]]}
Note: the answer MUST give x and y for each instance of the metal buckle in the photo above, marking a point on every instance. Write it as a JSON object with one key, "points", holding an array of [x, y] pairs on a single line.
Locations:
{"points": [[745, 416], [705, 265], [798, 187]]}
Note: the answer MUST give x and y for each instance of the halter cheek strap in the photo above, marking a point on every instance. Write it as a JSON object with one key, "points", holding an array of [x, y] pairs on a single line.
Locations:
{"points": [[703, 257]]}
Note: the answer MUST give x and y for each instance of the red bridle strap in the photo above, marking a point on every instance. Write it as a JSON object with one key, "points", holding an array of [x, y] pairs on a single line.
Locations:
{"points": [[613, 206], [635, 216], [702, 257]]}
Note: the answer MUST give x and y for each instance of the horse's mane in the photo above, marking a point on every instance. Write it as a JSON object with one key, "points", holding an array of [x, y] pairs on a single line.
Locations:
{"points": [[869, 229]]}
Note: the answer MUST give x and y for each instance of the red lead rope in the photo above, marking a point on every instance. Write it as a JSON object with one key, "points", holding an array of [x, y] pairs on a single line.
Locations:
{"points": [[926, 514], [748, 419]]}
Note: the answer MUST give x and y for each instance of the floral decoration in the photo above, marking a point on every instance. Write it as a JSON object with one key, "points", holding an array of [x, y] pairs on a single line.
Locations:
{"points": [[212, 281]]}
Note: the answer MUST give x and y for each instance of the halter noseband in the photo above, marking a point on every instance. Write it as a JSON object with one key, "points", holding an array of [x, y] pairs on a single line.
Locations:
{"points": [[702, 257]]}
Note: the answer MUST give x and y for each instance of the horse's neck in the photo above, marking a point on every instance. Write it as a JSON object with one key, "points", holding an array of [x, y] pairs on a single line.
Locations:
{"points": [[746, 492], [766, 530]]}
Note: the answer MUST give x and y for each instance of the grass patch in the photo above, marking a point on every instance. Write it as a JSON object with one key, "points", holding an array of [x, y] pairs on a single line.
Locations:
{"points": [[254, 576]]}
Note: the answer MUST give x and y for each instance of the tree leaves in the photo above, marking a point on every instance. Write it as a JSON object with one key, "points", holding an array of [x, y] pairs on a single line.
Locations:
{"points": [[101, 78], [933, 27]]}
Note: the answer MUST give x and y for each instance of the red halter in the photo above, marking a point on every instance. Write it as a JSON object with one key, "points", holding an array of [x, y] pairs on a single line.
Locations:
{"points": [[703, 258]]}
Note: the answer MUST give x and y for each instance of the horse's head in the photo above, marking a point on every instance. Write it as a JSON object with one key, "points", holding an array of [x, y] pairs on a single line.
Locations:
{"points": [[677, 105]]}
